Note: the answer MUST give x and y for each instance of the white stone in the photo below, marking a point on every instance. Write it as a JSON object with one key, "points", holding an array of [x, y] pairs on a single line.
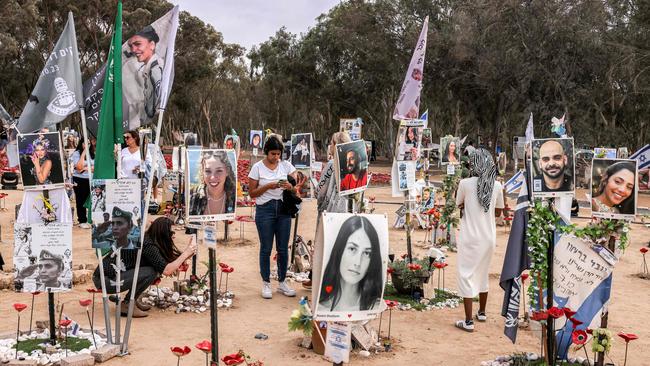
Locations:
{"points": [[364, 353]]}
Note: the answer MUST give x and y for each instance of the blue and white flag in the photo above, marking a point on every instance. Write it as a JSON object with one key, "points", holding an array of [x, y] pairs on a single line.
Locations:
{"points": [[643, 156], [582, 281], [425, 115], [514, 183], [516, 261]]}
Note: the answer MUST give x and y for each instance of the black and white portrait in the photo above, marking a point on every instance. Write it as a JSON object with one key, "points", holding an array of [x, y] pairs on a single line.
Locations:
{"points": [[353, 267]]}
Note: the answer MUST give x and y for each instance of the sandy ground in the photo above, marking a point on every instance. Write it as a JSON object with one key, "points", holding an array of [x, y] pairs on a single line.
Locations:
{"points": [[422, 338]]}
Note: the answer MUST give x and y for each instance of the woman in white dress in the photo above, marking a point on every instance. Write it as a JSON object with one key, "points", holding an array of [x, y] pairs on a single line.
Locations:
{"points": [[481, 199]]}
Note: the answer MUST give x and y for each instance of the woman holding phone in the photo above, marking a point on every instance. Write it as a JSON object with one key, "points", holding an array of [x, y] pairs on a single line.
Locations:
{"points": [[268, 179]]}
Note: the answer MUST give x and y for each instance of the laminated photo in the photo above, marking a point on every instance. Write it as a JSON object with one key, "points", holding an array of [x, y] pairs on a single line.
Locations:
{"points": [[43, 257], [614, 188], [553, 167], [406, 175], [116, 213], [301, 150], [409, 138], [40, 159], [450, 150], [351, 167], [351, 269], [305, 192], [211, 183], [231, 142], [256, 139]]}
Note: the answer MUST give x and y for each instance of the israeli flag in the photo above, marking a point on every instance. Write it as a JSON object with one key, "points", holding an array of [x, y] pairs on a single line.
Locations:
{"points": [[643, 156], [514, 183], [425, 115]]}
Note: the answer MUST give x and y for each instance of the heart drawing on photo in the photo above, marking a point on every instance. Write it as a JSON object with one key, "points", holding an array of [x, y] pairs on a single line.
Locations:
{"points": [[349, 315], [328, 289]]}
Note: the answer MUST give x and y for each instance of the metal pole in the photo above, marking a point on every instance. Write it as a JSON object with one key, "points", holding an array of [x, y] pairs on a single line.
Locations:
{"points": [[50, 307], [550, 329], [214, 324], [145, 213], [118, 304], [407, 224]]}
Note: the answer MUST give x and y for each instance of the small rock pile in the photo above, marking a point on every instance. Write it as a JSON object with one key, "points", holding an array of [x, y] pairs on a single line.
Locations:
{"points": [[49, 355], [529, 356], [198, 302], [294, 276]]}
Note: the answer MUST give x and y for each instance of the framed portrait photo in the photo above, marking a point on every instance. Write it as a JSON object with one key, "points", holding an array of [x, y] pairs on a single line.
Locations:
{"points": [[351, 269], [450, 148], [116, 209], [301, 150], [409, 140], [256, 139], [351, 167], [553, 167], [614, 188], [211, 180], [40, 159]]}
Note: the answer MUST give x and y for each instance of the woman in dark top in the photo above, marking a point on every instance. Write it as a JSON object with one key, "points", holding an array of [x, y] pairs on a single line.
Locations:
{"points": [[159, 257]]}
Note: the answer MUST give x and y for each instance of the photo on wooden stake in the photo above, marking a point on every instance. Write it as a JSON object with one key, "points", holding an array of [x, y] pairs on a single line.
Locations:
{"points": [[409, 138], [450, 150], [305, 192], [42, 257], [350, 267], [211, 179], [116, 213], [553, 167], [301, 150], [256, 139], [231, 142], [614, 188], [351, 167], [40, 158]]}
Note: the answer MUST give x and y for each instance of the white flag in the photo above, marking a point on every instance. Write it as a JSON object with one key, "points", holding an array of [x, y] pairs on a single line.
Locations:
{"points": [[530, 132], [408, 104]]}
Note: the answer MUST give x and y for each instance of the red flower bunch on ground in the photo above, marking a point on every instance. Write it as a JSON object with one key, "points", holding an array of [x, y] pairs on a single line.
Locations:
{"points": [[555, 312], [414, 266], [20, 307], [539, 315], [579, 337]]}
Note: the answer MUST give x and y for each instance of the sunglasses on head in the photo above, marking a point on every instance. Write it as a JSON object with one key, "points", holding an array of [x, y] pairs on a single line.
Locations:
{"points": [[126, 137]]}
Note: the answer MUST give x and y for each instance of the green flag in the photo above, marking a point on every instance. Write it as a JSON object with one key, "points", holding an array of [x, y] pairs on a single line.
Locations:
{"points": [[110, 115]]}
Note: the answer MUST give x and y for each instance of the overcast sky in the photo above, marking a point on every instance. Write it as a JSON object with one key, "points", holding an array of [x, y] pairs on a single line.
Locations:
{"points": [[250, 22]]}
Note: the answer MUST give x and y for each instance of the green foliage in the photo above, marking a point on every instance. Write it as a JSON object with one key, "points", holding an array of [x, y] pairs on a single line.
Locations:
{"points": [[71, 343], [410, 278], [600, 232], [541, 224]]}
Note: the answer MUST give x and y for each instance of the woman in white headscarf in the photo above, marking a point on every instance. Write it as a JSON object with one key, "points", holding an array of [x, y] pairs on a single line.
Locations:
{"points": [[481, 198]]}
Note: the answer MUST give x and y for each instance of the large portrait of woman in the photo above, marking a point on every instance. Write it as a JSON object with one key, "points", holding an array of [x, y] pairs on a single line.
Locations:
{"points": [[614, 188], [409, 138], [211, 176], [353, 267], [40, 160], [450, 150]]}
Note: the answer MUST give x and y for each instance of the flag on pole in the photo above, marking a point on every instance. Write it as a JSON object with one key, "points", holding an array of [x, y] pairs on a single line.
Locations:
{"points": [[530, 131], [515, 182], [425, 116], [147, 75], [515, 262], [408, 104], [643, 156], [110, 115], [58, 91]]}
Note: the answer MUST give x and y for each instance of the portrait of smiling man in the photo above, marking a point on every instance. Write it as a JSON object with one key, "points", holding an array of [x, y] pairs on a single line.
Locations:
{"points": [[553, 164]]}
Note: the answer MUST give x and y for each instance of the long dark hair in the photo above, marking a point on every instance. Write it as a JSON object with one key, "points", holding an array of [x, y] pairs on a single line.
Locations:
{"points": [[160, 235], [273, 143], [80, 148], [627, 205], [370, 286]]}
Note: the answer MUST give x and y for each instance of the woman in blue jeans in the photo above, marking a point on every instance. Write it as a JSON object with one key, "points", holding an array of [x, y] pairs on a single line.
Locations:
{"points": [[268, 179]]}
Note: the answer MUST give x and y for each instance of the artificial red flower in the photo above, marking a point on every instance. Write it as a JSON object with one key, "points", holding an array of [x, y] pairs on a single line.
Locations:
{"points": [[539, 315], [589, 331], [20, 307], [36, 293], [414, 266], [205, 346], [64, 322], [85, 303], [391, 303], [372, 199], [555, 312], [404, 255], [194, 278], [568, 313], [228, 270], [440, 265], [184, 267], [93, 290], [524, 276], [181, 351], [390, 270], [579, 337], [156, 282], [575, 322], [628, 336], [643, 250], [234, 359], [223, 265]]}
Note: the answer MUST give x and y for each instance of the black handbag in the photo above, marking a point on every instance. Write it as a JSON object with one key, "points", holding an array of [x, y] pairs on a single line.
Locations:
{"points": [[290, 200]]}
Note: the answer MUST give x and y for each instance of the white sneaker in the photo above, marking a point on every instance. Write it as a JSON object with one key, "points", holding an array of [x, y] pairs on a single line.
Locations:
{"points": [[285, 290], [267, 292], [85, 225]]}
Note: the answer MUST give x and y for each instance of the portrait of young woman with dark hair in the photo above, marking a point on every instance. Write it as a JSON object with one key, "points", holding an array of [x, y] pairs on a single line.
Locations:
{"points": [[354, 275], [616, 190]]}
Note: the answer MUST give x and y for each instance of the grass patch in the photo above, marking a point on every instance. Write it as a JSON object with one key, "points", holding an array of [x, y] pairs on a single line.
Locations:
{"points": [[73, 344], [390, 293]]}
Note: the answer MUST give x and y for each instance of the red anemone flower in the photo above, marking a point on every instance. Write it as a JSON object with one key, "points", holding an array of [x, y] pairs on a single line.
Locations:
{"points": [[93, 291], [223, 265], [643, 250], [85, 303], [228, 270], [20, 307], [555, 312], [391, 303], [524, 276], [575, 322], [234, 359], [568, 313], [589, 331], [390, 270], [35, 293], [181, 351], [440, 265], [628, 336], [539, 315], [64, 322], [404, 255], [579, 337], [414, 266], [184, 267], [205, 346]]}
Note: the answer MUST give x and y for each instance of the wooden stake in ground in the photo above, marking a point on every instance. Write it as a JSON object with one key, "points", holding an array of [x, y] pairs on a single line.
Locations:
{"points": [[214, 324]]}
